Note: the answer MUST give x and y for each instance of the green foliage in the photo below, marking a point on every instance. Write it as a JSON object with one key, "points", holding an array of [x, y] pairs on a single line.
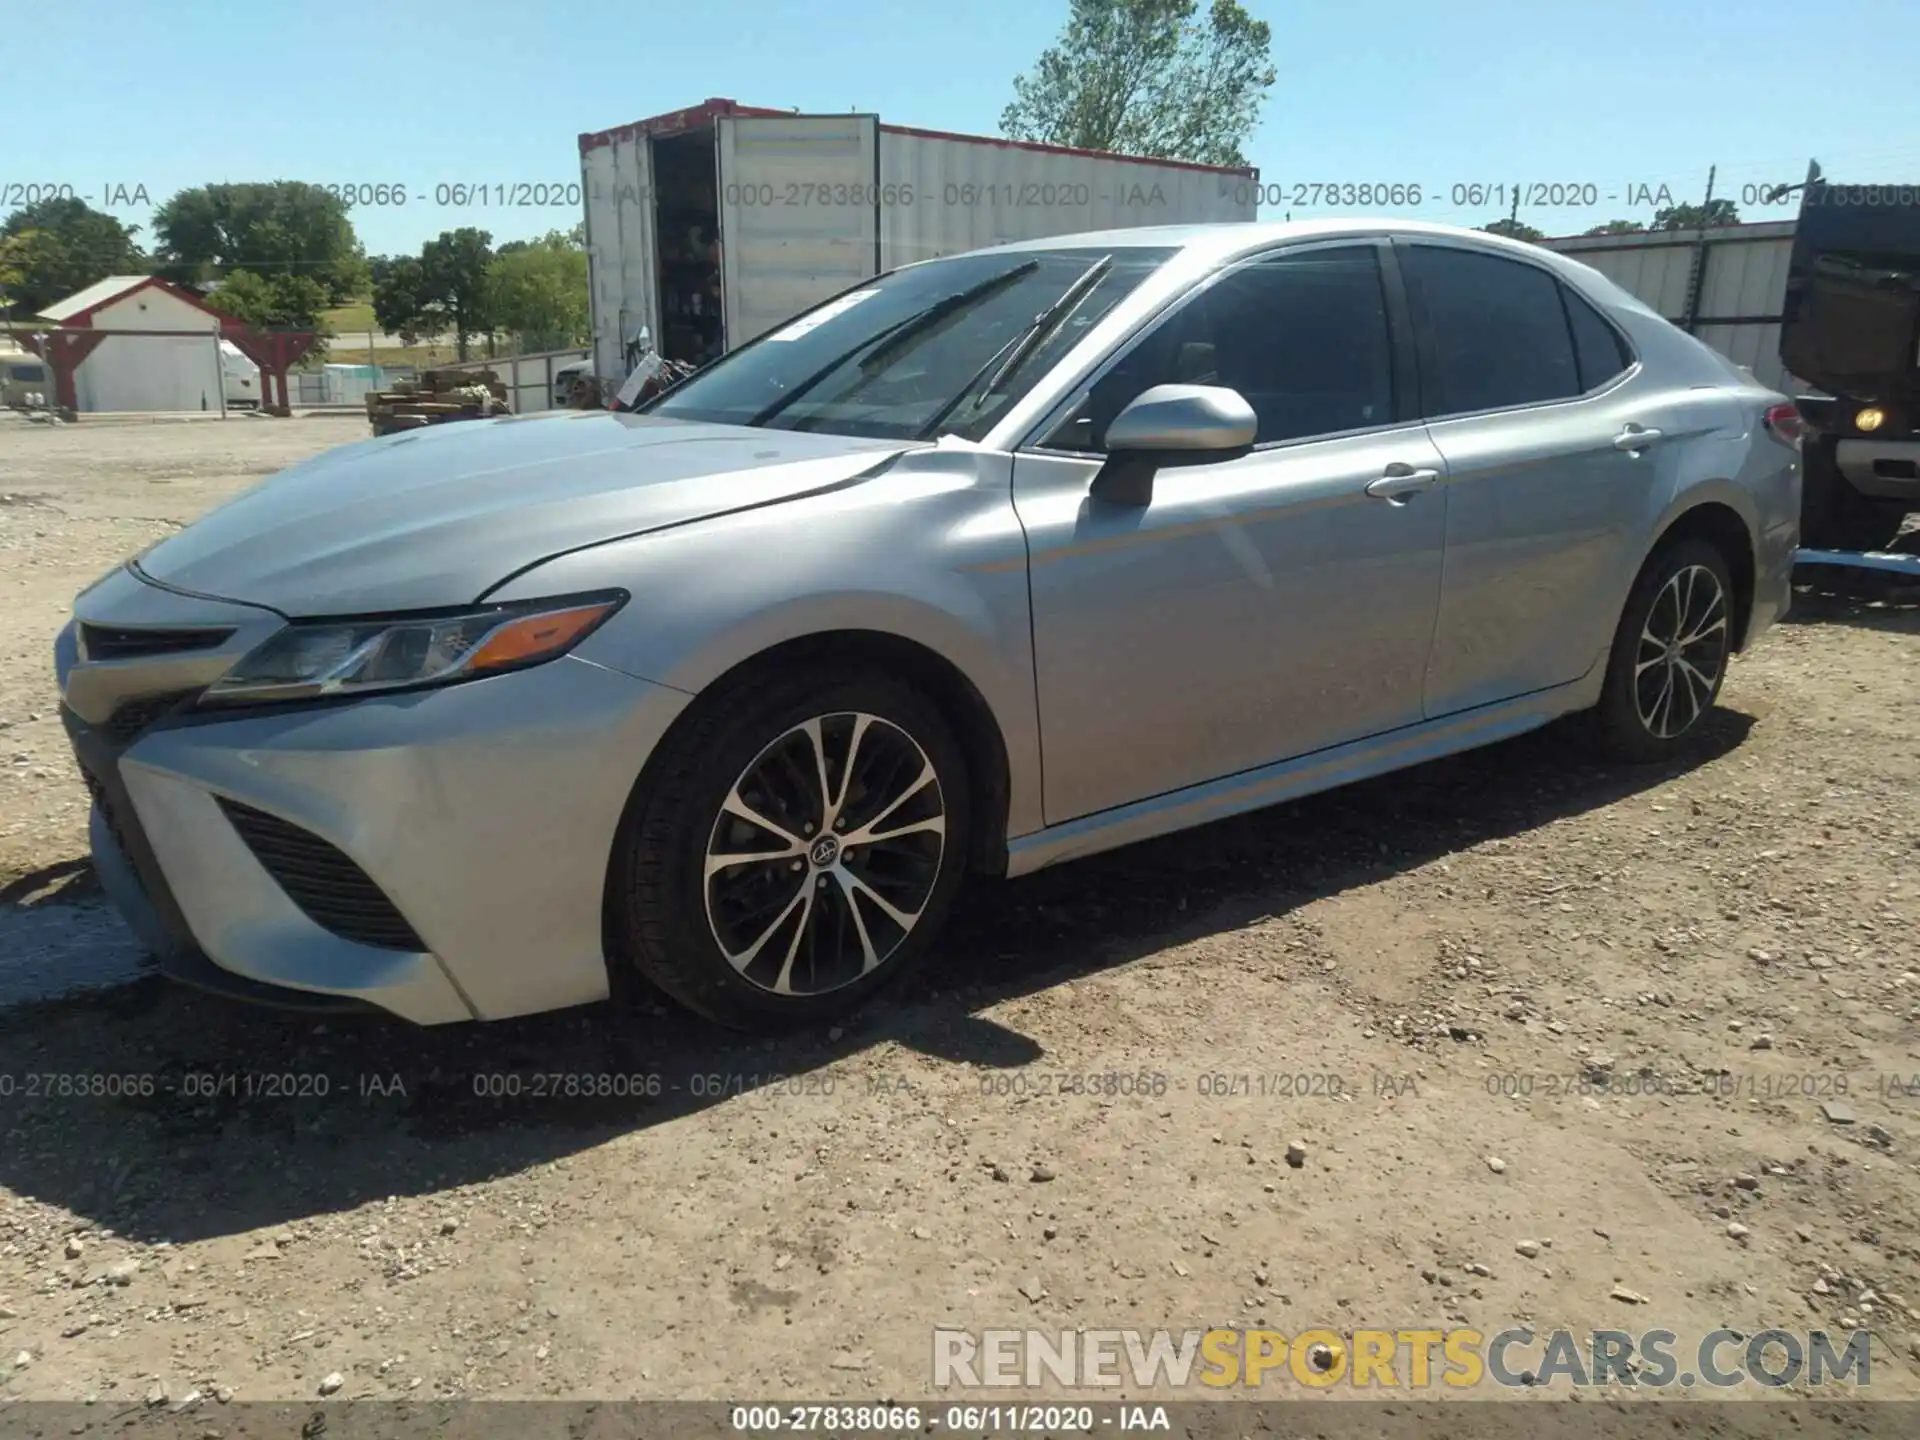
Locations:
{"points": [[272, 302], [1147, 77], [277, 228], [1696, 217], [397, 300], [443, 291], [54, 247], [537, 291], [1514, 229], [1617, 227]]}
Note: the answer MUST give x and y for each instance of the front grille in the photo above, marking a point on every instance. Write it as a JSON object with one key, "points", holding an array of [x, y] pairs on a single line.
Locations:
{"points": [[112, 642], [330, 889], [134, 716]]}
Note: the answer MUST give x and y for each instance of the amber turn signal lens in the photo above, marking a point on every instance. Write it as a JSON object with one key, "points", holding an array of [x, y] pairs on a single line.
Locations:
{"points": [[520, 641]]}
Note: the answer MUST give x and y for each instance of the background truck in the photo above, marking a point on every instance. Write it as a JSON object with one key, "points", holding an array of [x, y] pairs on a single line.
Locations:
{"points": [[1850, 327]]}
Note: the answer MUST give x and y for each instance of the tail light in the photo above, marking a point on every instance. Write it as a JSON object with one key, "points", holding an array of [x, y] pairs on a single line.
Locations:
{"points": [[1786, 424]]}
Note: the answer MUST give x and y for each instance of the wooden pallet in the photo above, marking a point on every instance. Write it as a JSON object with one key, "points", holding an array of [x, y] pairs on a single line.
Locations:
{"points": [[430, 401]]}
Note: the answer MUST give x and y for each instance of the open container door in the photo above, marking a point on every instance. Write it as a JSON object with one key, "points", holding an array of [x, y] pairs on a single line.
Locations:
{"points": [[622, 248], [799, 214]]}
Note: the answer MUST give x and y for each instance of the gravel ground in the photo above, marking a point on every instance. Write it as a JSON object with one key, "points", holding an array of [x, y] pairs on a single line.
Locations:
{"points": [[1581, 1047]]}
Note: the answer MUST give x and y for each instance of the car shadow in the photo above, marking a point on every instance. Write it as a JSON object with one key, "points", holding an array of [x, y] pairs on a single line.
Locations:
{"points": [[255, 1118]]}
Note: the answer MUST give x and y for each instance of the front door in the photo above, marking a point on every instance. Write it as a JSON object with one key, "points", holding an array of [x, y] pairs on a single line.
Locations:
{"points": [[1260, 607]]}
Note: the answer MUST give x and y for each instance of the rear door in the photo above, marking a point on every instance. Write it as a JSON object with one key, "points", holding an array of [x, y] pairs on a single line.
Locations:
{"points": [[1533, 401], [799, 214]]}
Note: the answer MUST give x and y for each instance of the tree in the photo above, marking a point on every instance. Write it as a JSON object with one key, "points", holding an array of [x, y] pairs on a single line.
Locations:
{"points": [[272, 302], [1696, 217], [1514, 229], [1146, 77], [1616, 227], [444, 290], [54, 247], [282, 227], [537, 290], [397, 304]]}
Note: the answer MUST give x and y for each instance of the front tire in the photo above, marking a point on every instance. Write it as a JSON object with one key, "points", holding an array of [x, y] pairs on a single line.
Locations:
{"points": [[1669, 654], [793, 850]]}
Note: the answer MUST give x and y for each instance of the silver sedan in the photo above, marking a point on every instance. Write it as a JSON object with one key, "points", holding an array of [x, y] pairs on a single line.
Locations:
{"points": [[994, 561]]}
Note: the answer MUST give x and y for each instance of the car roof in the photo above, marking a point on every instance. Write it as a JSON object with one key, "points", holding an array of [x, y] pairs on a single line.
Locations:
{"points": [[1227, 238]]}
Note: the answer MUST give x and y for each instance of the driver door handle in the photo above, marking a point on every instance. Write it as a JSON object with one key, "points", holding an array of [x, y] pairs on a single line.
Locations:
{"points": [[1635, 437], [1401, 481]]}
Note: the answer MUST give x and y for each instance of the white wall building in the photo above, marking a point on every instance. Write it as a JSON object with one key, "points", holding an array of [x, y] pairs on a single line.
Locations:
{"points": [[133, 372]]}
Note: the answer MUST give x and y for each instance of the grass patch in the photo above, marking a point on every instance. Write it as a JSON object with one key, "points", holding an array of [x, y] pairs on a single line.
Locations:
{"points": [[351, 319], [342, 351]]}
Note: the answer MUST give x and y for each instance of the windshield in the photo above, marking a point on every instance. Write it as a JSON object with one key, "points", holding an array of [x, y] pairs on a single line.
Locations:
{"points": [[934, 349]]}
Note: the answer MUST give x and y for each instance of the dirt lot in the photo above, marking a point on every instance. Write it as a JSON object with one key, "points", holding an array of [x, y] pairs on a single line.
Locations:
{"points": [[1566, 1036]]}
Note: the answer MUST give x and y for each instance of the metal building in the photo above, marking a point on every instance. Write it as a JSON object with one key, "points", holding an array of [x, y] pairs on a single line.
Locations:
{"points": [[182, 367], [1727, 286]]}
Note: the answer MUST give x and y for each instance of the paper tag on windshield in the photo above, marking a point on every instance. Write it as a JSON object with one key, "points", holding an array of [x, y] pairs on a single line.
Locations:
{"points": [[643, 372], [822, 315]]}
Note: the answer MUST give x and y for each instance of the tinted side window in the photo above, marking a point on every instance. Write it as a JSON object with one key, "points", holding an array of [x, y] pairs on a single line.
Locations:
{"points": [[1302, 337], [1596, 344], [1494, 331]]}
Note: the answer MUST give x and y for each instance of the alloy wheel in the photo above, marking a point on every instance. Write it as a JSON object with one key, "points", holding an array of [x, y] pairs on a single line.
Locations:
{"points": [[1682, 650], [824, 854]]}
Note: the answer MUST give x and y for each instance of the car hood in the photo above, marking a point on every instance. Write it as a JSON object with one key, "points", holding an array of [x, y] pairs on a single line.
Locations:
{"points": [[439, 516]]}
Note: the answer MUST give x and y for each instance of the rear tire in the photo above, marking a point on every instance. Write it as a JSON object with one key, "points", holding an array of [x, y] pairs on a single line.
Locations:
{"points": [[793, 850], [1669, 654]]}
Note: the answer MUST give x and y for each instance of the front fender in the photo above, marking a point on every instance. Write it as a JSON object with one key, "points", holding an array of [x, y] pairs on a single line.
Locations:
{"points": [[930, 552]]}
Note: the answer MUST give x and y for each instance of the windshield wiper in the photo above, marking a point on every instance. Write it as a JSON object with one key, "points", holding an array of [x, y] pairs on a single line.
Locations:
{"points": [[890, 341], [1022, 346]]}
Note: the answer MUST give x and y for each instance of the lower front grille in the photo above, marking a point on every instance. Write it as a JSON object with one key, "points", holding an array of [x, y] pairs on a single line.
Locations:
{"points": [[329, 888], [108, 810], [127, 723]]}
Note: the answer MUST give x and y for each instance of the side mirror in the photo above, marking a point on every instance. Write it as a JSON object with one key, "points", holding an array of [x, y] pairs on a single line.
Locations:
{"points": [[1171, 425]]}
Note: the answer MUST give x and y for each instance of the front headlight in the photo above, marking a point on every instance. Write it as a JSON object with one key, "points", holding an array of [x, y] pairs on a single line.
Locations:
{"points": [[314, 659]]}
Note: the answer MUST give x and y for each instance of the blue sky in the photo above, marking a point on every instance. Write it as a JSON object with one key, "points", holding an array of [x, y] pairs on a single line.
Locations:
{"points": [[111, 95]]}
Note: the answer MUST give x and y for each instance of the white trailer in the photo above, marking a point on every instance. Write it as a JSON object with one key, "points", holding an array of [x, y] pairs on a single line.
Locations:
{"points": [[240, 376], [709, 226]]}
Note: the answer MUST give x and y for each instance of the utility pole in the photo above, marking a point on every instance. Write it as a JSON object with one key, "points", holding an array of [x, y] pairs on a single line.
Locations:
{"points": [[219, 371], [1697, 268]]}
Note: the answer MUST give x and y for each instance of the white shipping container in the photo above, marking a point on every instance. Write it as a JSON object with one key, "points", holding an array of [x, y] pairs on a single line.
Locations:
{"points": [[709, 226], [1728, 286]]}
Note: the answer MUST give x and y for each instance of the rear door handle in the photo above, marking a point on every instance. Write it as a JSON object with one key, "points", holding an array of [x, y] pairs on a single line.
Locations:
{"points": [[1401, 481], [1635, 437]]}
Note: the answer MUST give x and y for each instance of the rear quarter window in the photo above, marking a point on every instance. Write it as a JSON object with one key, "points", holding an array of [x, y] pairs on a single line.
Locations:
{"points": [[1598, 349]]}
